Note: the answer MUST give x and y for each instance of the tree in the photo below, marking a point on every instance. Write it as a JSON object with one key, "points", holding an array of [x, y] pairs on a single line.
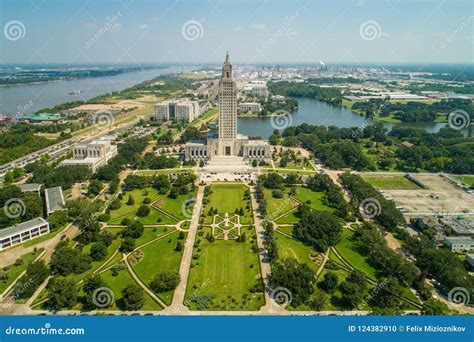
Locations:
{"points": [[98, 251], [179, 246], [143, 210], [433, 307], [317, 229], [128, 245], [65, 261], [318, 300], [62, 293], [133, 230], [297, 278], [132, 298], [329, 282], [165, 281], [95, 186], [130, 200], [36, 274], [388, 296], [91, 284]]}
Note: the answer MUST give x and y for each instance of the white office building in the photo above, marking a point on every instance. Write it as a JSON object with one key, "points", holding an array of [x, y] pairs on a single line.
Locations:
{"points": [[21, 232], [95, 154], [253, 107], [179, 110]]}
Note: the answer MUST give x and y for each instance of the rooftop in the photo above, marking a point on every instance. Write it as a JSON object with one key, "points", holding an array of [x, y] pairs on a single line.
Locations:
{"points": [[22, 227], [30, 187], [54, 199]]}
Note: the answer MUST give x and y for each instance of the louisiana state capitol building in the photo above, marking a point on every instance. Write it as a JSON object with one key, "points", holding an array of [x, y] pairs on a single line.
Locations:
{"points": [[228, 142]]}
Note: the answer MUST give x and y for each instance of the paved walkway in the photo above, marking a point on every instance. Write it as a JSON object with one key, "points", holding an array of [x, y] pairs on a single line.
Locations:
{"points": [[177, 306]]}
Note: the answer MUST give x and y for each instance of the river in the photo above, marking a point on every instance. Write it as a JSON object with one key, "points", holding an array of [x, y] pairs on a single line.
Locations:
{"points": [[315, 112], [25, 99]]}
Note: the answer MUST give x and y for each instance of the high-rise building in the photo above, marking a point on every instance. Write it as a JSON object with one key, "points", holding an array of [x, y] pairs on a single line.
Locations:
{"points": [[228, 142], [179, 110]]}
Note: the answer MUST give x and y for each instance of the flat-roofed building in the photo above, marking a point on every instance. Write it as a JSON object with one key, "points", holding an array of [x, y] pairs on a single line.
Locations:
{"points": [[54, 199], [460, 243], [459, 226], [21, 232], [31, 187], [253, 107], [95, 154], [179, 110], [470, 259]]}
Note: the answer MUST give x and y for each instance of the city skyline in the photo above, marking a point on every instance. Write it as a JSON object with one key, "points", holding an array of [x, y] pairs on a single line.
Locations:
{"points": [[269, 32]]}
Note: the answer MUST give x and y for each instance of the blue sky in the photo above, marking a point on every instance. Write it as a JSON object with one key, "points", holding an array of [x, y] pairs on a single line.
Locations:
{"points": [[351, 31]]}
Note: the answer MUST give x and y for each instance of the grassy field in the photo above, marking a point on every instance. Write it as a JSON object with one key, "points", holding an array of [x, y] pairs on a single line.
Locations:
{"points": [[466, 179], [151, 173], [158, 257], [138, 196], [278, 206], [156, 217], [226, 198], [223, 275], [288, 247], [174, 206], [14, 271], [119, 282], [346, 248], [315, 199], [390, 182]]}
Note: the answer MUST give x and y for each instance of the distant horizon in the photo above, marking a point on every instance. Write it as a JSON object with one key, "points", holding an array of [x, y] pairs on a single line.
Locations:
{"points": [[254, 32]]}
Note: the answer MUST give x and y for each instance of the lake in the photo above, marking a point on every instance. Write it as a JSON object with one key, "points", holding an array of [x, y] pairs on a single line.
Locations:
{"points": [[315, 112]]}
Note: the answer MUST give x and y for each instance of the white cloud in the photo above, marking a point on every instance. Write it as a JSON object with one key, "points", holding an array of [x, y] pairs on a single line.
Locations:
{"points": [[143, 26], [259, 27], [237, 28]]}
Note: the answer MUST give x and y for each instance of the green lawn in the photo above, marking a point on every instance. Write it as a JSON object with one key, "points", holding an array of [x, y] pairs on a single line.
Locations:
{"points": [[150, 234], [289, 218], [390, 182], [156, 217], [158, 257], [288, 247], [225, 272], [315, 199], [226, 198], [466, 179], [119, 282], [286, 230], [138, 196], [278, 206], [346, 247], [14, 271], [174, 206]]}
